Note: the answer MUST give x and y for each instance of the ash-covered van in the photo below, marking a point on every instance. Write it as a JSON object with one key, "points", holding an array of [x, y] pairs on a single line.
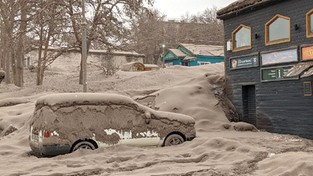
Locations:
{"points": [[63, 123]]}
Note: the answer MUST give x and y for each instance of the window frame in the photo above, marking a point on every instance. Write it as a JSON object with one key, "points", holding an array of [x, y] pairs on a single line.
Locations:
{"points": [[305, 93], [275, 42], [233, 38], [309, 34]]}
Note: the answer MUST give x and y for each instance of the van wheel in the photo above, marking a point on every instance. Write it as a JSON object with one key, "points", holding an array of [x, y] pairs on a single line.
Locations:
{"points": [[173, 139], [83, 145]]}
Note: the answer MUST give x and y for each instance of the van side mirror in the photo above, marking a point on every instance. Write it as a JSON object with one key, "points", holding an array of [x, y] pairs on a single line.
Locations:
{"points": [[148, 117]]}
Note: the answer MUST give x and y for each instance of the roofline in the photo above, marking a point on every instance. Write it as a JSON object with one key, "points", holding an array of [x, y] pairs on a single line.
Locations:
{"points": [[169, 50], [195, 55], [127, 53], [182, 45], [243, 10], [116, 53], [167, 53]]}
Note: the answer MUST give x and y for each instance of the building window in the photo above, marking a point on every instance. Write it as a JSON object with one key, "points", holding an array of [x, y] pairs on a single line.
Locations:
{"points": [[204, 63], [277, 30], [307, 88], [241, 38], [309, 24]]}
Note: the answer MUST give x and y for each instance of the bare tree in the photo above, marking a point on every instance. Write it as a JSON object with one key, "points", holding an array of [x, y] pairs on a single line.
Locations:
{"points": [[48, 24], [18, 78], [148, 35], [203, 28], [13, 15], [107, 21], [8, 11], [107, 65], [151, 31]]}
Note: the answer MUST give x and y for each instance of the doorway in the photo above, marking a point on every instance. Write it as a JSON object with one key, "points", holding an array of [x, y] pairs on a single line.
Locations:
{"points": [[185, 63], [249, 104]]}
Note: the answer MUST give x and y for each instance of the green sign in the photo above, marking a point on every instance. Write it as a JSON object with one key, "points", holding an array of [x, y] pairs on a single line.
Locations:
{"points": [[275, 74], [244, 62]]}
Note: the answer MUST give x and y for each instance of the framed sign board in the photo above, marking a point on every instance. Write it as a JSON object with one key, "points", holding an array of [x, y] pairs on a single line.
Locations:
{"points": [[307, 53], [307, 88], [279, 57], [276, 74], [244, 62]]}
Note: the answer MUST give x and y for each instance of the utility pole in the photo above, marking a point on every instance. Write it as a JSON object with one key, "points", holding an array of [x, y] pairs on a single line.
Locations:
{"points": [[84, 48], [162, 54]]}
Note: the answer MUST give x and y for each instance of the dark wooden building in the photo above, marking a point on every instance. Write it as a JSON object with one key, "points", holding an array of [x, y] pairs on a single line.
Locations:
{"points": [[268, 62]]}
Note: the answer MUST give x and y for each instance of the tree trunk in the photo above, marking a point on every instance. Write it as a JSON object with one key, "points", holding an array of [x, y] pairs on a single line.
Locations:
{"points": [[20, 48], [39, 65], [2, 61], [45, 55], [81, 62], [13, 62], [81, 70], [7, 60], [7, 68], [1, 57], [9, 48]]}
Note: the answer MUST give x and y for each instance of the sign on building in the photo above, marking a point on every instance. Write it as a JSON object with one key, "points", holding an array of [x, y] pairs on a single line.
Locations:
{"points": [[278, 57], [275, 74], [307, 53], [244, 62]]}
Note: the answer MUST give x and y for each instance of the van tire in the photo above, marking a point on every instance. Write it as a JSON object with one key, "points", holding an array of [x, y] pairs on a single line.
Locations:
{"points": [[83, 145], [173, 139]]}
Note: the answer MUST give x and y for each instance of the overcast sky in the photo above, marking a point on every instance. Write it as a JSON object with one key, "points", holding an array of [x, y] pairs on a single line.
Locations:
{"points": [[174, 9]]}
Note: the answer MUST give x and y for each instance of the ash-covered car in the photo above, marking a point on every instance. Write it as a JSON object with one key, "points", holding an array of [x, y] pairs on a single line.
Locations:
{"points": [[65, 122]]}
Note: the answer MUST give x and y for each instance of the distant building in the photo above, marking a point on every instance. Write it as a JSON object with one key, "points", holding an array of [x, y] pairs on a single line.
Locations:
{"points": [[269, 63], [194, 55], [116, 58]]}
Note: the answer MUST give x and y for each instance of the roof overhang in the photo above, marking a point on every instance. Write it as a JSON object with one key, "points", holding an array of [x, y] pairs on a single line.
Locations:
{"points": [[244, 6], [304, 69], [187, 58], [307, 73]]}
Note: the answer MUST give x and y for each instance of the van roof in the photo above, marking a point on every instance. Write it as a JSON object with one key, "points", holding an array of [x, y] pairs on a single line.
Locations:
{"points": [[69, 99], [83, 99]]}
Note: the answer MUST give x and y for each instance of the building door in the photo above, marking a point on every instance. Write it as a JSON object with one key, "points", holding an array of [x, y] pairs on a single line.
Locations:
{"points": [[249, 104], [185, 63]]}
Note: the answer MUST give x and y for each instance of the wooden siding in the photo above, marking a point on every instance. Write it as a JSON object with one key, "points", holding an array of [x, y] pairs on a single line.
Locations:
{"points": [[211, 59], [174, 61], [281, 106]]}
